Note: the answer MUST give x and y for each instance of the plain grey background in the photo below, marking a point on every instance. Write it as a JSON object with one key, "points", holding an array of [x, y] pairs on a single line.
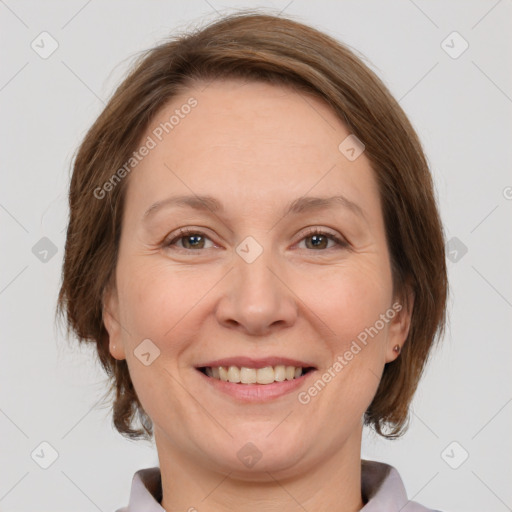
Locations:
{"points": [[457, 454]]}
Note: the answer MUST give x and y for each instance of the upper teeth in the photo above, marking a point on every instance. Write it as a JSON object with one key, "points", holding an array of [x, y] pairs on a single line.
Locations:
{"points": [[245, 375]]}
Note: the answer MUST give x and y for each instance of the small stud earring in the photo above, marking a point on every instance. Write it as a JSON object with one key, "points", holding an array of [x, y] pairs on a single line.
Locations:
{"points": [[396, 349]]}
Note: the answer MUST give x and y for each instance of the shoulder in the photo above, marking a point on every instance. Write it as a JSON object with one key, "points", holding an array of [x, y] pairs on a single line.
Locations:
{"points": [[383, 490], [146, 492]]}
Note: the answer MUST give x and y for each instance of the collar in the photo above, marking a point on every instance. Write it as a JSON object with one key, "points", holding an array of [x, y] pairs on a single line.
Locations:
{"points": [[382, 490]]}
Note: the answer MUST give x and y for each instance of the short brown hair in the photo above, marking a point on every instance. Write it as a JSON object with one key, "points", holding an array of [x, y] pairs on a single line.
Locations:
{"points": [[261, 47]]}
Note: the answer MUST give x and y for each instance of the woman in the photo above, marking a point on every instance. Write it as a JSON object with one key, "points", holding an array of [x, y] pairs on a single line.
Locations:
{"points": [[255, 249]]}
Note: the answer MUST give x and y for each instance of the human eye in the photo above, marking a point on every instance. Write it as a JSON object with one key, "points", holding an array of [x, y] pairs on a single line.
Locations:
{"points": [[191, 239], [320, 239]]}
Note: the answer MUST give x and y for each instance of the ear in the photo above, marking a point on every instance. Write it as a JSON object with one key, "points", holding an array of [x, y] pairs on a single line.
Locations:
{"points": [[110, 315], [399, 326]]}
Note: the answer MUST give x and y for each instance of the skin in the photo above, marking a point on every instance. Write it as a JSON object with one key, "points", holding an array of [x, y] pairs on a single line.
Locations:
{"points": [[255, 147]]}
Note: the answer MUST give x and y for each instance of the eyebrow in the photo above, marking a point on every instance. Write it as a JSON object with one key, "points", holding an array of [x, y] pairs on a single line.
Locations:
{"points": [[299, 205]]}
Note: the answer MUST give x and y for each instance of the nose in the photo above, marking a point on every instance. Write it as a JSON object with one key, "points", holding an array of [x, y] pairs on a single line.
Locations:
{"points": [[257, 299]]}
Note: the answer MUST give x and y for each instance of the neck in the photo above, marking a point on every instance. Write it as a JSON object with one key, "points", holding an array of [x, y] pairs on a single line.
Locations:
{"points": [[334, 483]]}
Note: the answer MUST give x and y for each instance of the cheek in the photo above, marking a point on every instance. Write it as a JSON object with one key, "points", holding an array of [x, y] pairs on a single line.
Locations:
{"points": [[352, 309], [353, 298], [154, 298], [154, 305], [353, 305]]}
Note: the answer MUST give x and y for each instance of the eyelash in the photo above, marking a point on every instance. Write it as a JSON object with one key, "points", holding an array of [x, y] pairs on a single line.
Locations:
{"points": [[184, 232]]}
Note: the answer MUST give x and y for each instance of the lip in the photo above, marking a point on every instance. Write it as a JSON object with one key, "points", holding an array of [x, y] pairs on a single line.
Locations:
{"points": [[256, 393], [249, 362]]}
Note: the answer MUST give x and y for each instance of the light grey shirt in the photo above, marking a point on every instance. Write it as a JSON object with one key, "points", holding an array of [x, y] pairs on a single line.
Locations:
{"points": [[382, 490]]}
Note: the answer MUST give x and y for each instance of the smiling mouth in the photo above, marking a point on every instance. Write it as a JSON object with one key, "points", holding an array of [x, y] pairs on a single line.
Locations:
{"points": [[245, 375]]}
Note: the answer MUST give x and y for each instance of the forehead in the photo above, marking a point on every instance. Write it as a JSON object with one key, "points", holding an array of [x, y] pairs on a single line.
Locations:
{"points": [[257, 118], [251, 140]]}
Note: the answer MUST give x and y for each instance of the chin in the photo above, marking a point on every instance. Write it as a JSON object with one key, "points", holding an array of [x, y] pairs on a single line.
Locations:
{"points": [[254, 457]]}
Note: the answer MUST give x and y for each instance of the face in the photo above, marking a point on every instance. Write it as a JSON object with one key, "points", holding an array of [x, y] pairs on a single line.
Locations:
{"points": [[261, 277]]}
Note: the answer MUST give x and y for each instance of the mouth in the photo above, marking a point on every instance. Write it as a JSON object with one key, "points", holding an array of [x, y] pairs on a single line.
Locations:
{"points": [[248, 380], [248, 375]]}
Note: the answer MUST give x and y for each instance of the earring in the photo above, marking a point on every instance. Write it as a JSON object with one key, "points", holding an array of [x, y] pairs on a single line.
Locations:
{"points": [[396, 349]]}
